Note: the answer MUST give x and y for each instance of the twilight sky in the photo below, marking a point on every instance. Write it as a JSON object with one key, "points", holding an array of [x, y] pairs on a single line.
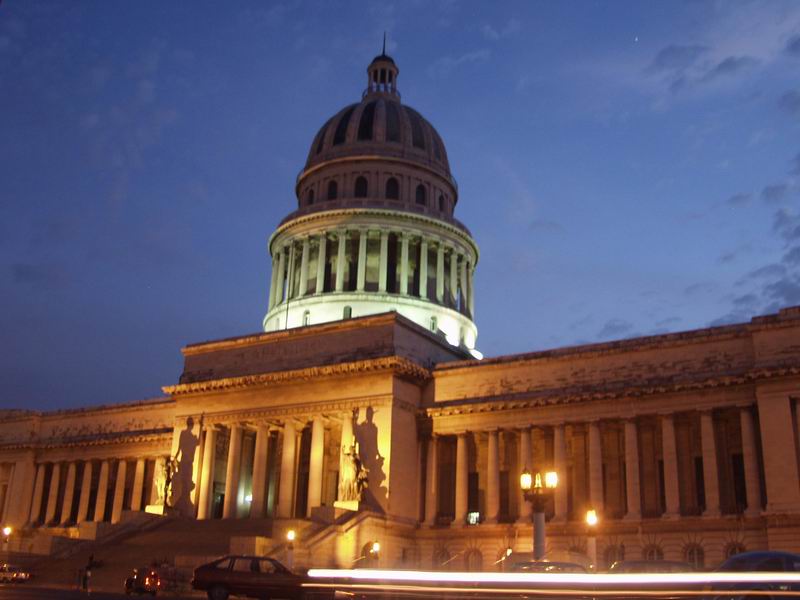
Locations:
{"points": [[627, 168]]}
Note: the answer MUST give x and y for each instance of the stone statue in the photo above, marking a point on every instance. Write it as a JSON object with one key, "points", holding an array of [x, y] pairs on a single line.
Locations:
{"points": [[354, 477]]}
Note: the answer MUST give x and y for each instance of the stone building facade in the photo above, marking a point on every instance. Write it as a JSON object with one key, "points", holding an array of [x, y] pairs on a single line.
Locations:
{"points": [[686, 444]]}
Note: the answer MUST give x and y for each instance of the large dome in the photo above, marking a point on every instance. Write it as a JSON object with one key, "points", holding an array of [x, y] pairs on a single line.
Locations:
{"points": [[378, 153]]}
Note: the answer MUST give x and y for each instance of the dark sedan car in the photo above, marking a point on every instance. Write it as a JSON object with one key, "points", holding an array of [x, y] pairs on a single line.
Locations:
{"points": [[251, 576], [767, 561]]}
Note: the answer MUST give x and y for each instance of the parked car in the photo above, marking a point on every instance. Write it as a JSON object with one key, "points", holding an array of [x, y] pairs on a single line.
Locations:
{"points": [[546, 566], [650, 566], [143, 581], [754, 562], [13, 574], [253, 576]]}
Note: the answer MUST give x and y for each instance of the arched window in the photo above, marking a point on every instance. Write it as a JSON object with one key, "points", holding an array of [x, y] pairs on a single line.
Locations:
{"points": [[652, 552], [333, 190], [347, 312], [473, 560], [694, 555], [421, 195], [441, 559], [361, 188], [734, 548], [310, 197], [392, 189], [441, 203], [613, 553], [434, 324]]}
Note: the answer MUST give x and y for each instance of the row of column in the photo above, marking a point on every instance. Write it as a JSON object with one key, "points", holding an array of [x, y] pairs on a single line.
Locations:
{"points": [[45, 509], [595, 468], [287, 471], [285, 258]]}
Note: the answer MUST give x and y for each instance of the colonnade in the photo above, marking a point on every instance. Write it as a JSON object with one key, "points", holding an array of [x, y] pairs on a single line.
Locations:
{"points": [[54, 504], [288, 436], [557, 460], [450, 273]]}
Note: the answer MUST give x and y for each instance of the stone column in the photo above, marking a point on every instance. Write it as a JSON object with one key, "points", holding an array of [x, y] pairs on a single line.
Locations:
{"points": [[322, 258], [281, 273], [290, 273], [69, 493], [229, 508], [471, 297], [86, 491], [750, 454], [315, 464], [560, 466], [423, 268], [463, 284], [462, 480], [440, 272], [286, 487], [632, 489], [777, 444], [384, 261], [432, 483], [710, 475], [670, 457], [340, 260], [303, 287], [404, 264], [205, 497], [362, 259], [119, 491], [52, 497], [453, 277], [273, 283], [525, 462], [595, 468], [493, 478], [38, 492], [102, 492], [260, 457], [138, 485]]}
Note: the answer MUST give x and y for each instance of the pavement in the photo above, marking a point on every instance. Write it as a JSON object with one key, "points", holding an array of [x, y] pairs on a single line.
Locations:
{"points": [[29, 592]]}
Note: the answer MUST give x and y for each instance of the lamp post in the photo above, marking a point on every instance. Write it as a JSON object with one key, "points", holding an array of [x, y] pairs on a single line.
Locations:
{"points": [[538, 489], [290, 537], [591, 540], [374, 551], [7, 531]]}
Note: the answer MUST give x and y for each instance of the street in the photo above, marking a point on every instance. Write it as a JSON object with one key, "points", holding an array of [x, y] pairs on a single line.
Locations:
{"points": [[24, 592]]}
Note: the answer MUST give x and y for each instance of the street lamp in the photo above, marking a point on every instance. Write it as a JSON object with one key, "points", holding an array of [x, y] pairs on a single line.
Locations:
{"points": [[290, 537], [591, 540], [7, 531], [537, 488]]}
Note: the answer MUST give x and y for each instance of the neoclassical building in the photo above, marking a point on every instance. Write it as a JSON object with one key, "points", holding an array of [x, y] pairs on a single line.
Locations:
{"points": [[686, 444]]}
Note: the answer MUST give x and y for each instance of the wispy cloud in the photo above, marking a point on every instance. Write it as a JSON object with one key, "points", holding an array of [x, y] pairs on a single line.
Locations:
{"points": [[615, 328], [774, 193], [493, 34], [740, 199], [447, 64], [790, 102]]}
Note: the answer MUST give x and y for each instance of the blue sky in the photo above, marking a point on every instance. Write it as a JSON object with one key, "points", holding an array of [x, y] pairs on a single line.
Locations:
{"points": [[627, 168]]}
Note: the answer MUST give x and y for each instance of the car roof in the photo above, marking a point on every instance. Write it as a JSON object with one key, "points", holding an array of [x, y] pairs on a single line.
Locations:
{"points": [[765, 554]]}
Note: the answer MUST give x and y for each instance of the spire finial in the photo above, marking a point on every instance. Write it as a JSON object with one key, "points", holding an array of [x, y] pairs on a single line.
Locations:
{"points": [[383, 52]]}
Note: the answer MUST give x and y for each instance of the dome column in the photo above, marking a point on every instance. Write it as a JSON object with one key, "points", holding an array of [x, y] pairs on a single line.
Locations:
{"points": [[279, 280], [273, 288], [383, 261], [440, 273], [404, 264], [463, 306], [362, 259], [340, 259], [290, 273], [321, 260], [304, 268], [453, 278], [423, 268], [471, 295]]}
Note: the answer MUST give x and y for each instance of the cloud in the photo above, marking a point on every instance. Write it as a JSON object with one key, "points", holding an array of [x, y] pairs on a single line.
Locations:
{"points": [[676, 58], [793, 46], [730, 66], [545, 226], [614, 328], [699, 288], [447, 64], [512, 27], [792, 257], [774, 193], [795, 165], [740, 199], [790, 102], [773, 270]]}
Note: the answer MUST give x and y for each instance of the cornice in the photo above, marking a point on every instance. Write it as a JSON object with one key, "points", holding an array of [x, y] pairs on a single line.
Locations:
{"points": [[397, 215], [396, 364], [123, 437], [552, 397]]}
